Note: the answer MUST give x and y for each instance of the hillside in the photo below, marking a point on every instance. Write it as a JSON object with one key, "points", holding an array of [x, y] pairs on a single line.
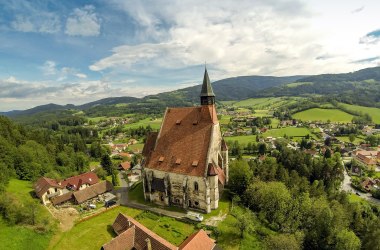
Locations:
{"points": [[361, 87]]}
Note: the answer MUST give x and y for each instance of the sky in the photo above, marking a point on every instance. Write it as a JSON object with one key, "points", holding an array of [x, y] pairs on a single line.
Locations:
{"points": [[77, 51]]}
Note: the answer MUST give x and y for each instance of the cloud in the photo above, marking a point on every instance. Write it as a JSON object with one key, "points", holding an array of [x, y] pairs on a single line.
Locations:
{"points": [[21, 94], [43, 22], [358, 10], [50, 69], [372, 37], [83, 22], [368, 60]]}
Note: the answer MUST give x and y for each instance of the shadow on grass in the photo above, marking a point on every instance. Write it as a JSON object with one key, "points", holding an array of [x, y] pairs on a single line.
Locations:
{"points": [[111, 231]]}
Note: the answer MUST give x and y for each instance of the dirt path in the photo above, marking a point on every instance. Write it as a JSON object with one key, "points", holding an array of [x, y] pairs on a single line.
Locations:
{"points": [[66, 217], [214, 221]]}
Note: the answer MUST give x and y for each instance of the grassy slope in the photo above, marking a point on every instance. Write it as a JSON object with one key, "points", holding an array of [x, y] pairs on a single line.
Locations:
{"points": [[289, 131], [373, 112], [21, 237], [317, 114]]}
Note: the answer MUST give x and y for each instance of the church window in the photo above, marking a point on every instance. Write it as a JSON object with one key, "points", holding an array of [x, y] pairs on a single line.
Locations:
{"points": [[196, 203], [196, 186], [162, 198]]}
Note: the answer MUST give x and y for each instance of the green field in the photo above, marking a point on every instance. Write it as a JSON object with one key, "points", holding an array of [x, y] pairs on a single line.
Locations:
{"points": [[373, 112], [225, 119], [242, 139], [267, 103], [22, 237], [317, 114], [155, 124], [289, 131]]}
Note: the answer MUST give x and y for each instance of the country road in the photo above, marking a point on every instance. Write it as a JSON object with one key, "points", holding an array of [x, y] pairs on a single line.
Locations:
{"points": [[346, 186]]}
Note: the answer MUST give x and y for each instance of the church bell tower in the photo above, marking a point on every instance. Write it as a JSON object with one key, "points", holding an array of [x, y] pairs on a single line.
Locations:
{"points": [[207, 94]]}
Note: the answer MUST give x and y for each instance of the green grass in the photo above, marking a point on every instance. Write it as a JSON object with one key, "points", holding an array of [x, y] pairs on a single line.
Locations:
{"points": [[373, 112], [261, 113], [242, 139], [93, 233], [155, 124], [137, 146], [96, 119], [253, 102], [225, 119], [346, 139], [223, 208], [170, 229], [137, 194], [20, 237], [289, 131], [317, 114]]}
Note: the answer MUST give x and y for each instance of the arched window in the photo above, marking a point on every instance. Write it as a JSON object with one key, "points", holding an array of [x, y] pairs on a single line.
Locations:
{"points": [[196, 186]]}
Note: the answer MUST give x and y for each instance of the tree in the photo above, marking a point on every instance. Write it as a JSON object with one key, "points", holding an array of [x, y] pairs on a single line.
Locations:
{"points": [[327, 153], [243, 221], [328, 141], [351, 137], [282, 242], [262, 147], [107, 164], [347, 240], [240, 176], [4, 177]]}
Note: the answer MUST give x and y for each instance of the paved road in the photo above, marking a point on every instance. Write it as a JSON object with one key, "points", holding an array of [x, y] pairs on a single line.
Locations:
{"points": [[346, 186]]}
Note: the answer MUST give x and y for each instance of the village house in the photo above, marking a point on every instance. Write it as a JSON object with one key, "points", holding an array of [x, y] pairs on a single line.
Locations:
{"points": [[186, 162], [47, 188], [133, 235], [370, 158]]}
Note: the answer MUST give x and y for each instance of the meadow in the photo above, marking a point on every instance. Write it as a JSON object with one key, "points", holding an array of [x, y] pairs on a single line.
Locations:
{"points": [[318, 114], [373, 112], [155, 124]]}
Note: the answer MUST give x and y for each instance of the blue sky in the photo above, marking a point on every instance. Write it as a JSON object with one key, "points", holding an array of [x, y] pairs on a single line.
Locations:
{"points": [[62, 51]]}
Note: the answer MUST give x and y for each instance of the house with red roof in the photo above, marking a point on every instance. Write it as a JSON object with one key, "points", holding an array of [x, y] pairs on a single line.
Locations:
{"points": [[186, 163], [133, 235], [46, 188]]}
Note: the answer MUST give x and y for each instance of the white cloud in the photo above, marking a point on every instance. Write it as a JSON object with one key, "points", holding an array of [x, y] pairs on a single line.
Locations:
{"points": [[39, 22], [83, 22], [253, 37], [50, 69]]}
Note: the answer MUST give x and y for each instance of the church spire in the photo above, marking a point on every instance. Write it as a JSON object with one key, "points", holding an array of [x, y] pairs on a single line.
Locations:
{"points": [[207, 94]]}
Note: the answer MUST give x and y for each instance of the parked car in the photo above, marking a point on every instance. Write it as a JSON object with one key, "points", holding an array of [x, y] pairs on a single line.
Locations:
{"points": [[93, 206], [194, 216], [357, 194], [109, 203]]}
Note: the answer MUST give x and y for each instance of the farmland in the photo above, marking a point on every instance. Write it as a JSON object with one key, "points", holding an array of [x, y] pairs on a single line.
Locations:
{"points": [[318, 114]]}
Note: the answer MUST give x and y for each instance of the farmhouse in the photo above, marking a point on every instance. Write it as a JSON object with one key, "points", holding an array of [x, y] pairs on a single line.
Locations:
{"points": [[186, 162], [133, 235], [369, 158], [47, 188]]}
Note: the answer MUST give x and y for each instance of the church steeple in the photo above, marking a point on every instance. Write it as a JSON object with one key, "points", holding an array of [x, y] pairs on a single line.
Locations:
{"points": [[207, 94]]}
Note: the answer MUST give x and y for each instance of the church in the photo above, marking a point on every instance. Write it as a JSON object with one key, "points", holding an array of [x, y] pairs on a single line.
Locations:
{"points": [[185, 164]]}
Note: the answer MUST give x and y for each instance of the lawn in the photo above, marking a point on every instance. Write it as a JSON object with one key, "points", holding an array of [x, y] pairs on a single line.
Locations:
{"points": [[317, 114], [257, 102], [242, 139], [289, 131], [261, 113], [346, 139], [223, 208], [373, 112], [94, 232], [155, 124]]}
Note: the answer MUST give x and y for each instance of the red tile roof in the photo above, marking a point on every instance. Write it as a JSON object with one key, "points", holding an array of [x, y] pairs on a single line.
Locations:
{"points": [[149, 143], [139, 239], [197, 241], [92, 191], [75, 182], [125, 165], [62, 198], [188, 141], [124, 241], [43, 184]]}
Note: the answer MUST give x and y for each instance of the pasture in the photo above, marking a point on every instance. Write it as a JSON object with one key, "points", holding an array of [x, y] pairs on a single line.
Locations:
{"points": [[373, 112], [318, 114]]}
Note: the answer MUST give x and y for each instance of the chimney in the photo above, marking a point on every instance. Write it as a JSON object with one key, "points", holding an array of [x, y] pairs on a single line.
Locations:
{"points": [[148, 244]]}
